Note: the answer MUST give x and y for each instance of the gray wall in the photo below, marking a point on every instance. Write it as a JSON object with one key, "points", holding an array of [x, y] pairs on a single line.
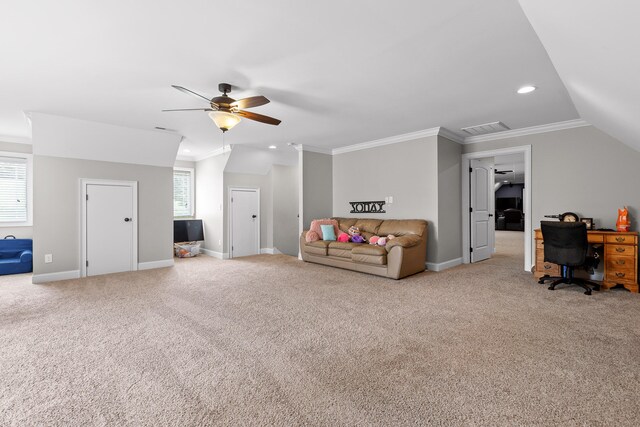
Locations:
{"points": [[317, 186], [285, 208], [449, 233], [56, 215], [209, 200], [263, 182], [408, 171], [25, 232], [581, 170]]}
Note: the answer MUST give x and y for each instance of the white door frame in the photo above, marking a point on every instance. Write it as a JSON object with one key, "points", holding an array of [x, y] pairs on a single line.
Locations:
{"points": [[466, 164], [83, 215], [230, 190]]}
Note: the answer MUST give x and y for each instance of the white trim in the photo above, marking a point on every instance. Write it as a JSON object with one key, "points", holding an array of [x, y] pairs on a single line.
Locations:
{"points": [[218, 151], [230, 213], [446, 133], [432, 266], [155, 264], [214, 254], [29, 158], [314, 149], [53, 277], [15, 139], [551, 127], [192, 172], [465, 165], [83, 215], [300, 199], [270, 251], [387, 141]]}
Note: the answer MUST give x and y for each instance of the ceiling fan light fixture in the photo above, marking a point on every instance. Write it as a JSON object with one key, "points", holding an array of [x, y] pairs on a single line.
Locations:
{"points": [[224, 120]]}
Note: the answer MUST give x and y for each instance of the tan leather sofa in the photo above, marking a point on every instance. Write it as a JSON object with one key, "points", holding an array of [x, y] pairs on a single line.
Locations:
{"points": [[401, 257]]}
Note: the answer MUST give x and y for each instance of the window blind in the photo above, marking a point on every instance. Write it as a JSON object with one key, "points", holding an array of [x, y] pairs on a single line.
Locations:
{"points": [[13, 189], [182, 193]]}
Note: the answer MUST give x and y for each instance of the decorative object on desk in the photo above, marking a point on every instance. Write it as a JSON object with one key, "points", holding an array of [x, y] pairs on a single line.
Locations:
{"points": [[623, 223], [367, 207], [565, 217], [588, 221]]}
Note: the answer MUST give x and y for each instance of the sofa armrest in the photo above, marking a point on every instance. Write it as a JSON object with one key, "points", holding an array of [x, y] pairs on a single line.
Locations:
{"points": [[406, 241], [26, 256]]}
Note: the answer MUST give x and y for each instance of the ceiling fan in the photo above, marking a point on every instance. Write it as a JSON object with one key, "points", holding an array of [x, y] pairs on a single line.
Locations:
{"points": [[497, 172], [226, 111]]}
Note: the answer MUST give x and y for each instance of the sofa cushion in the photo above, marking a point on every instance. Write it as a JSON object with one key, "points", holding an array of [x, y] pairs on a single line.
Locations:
{"points": [[318, 247], [401, 227], [369, 225], [342, 249], [345, 223], [369, 254]]}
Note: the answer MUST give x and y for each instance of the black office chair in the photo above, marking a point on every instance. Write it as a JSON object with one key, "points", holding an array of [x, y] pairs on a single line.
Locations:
{"points": [[565, 243]]}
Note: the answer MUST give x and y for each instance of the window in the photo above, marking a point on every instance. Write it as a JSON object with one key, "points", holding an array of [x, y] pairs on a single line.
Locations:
{"points": [[183, 198], [15, 189]]}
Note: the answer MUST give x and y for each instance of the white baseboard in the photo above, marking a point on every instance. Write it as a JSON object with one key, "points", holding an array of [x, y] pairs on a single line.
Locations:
{"points": [[155, 264], [214, 254], [54, 277], [270, 251], [432, 266]]}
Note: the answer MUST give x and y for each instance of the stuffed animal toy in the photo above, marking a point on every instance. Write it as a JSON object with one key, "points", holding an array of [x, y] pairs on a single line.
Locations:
{"points": [[343, 237], [353, 231], [373, 240], [390, 237], [382, 241], [357, 239]]}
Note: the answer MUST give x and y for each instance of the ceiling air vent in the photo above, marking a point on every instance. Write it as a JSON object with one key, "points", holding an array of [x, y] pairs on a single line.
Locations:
{"points": [[485, 128]]}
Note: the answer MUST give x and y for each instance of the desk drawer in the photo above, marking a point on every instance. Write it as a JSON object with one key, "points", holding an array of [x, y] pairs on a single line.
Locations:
{"points": [[548, 268], [622, 239], [595, 238], [620, 263], [624, 250], [621, 276]]}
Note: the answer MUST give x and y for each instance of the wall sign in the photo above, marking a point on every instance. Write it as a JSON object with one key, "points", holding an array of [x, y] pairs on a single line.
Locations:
{"points": [[367, 207]]}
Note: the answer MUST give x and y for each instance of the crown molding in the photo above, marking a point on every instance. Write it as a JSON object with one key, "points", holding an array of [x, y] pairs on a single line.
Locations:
{"points": [[446, 133], [311, 148], [551, 127], [387, 141], [216, 152], [15, 139]]}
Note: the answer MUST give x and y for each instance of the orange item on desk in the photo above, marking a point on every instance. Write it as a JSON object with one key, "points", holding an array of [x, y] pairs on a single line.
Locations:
{"points": [[623, 223]]}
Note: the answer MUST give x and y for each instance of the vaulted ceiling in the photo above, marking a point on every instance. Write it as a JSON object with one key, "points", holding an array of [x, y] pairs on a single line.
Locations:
{"points": [[337, 73]]}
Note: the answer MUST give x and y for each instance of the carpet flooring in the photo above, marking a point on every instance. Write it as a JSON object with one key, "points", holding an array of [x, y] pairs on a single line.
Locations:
{"points": [[270, 340]]}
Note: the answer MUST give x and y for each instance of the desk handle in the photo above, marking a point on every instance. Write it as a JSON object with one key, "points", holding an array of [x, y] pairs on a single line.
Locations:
{"points": [[620, 274], [620, 249], [620, 262], [620, 239]]}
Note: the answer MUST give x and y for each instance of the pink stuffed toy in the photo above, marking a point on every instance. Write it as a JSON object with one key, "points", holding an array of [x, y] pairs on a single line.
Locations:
{"points": [[373, 240], [343, 237], [382, 241]]}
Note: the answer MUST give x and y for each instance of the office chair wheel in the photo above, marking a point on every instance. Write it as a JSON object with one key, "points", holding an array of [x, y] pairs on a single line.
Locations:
{"points": [[587, 292], [551, 288]]}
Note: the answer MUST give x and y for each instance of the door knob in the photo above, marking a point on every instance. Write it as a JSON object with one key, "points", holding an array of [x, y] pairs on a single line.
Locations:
{"points": [[127, 219], [254, 216]]}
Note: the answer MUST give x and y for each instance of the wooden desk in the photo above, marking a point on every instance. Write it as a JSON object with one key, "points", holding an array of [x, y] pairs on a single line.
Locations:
{"points": [[620, 258]]}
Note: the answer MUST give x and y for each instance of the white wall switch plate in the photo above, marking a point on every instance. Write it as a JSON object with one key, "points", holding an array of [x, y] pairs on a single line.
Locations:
{"points": [[48, 258], [390, 199]]}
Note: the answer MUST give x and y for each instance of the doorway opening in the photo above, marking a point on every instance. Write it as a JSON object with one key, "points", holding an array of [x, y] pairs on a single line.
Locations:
{"points": [[514, 166]]}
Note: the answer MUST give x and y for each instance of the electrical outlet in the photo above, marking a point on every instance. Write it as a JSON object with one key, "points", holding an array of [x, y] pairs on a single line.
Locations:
{"points": [[386, 199], [48, 258], [390, 199], [220, 242]]}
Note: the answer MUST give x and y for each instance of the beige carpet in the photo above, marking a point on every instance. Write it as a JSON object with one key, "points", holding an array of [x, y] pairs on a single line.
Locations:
{"points": [[270, 340]]}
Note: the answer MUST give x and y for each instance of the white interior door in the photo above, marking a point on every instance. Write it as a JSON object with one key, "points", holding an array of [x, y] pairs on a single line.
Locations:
{"points": [[481, 203], [245, 222], [110, 229]]}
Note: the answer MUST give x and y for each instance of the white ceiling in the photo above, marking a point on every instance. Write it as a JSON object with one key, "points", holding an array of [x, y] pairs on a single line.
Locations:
{"points": [[337, 72], [594, 46], [513, 162]]}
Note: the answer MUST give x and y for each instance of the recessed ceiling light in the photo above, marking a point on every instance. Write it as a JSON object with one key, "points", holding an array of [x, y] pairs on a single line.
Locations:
{"points": [[506, 182], [526, 89], [272, 147], [186, 150]]}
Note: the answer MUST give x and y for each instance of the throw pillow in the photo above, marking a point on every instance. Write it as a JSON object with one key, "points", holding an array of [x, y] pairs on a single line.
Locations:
{"points": [[343, 237], [328, 232], [311, 236], [316, 223]]}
